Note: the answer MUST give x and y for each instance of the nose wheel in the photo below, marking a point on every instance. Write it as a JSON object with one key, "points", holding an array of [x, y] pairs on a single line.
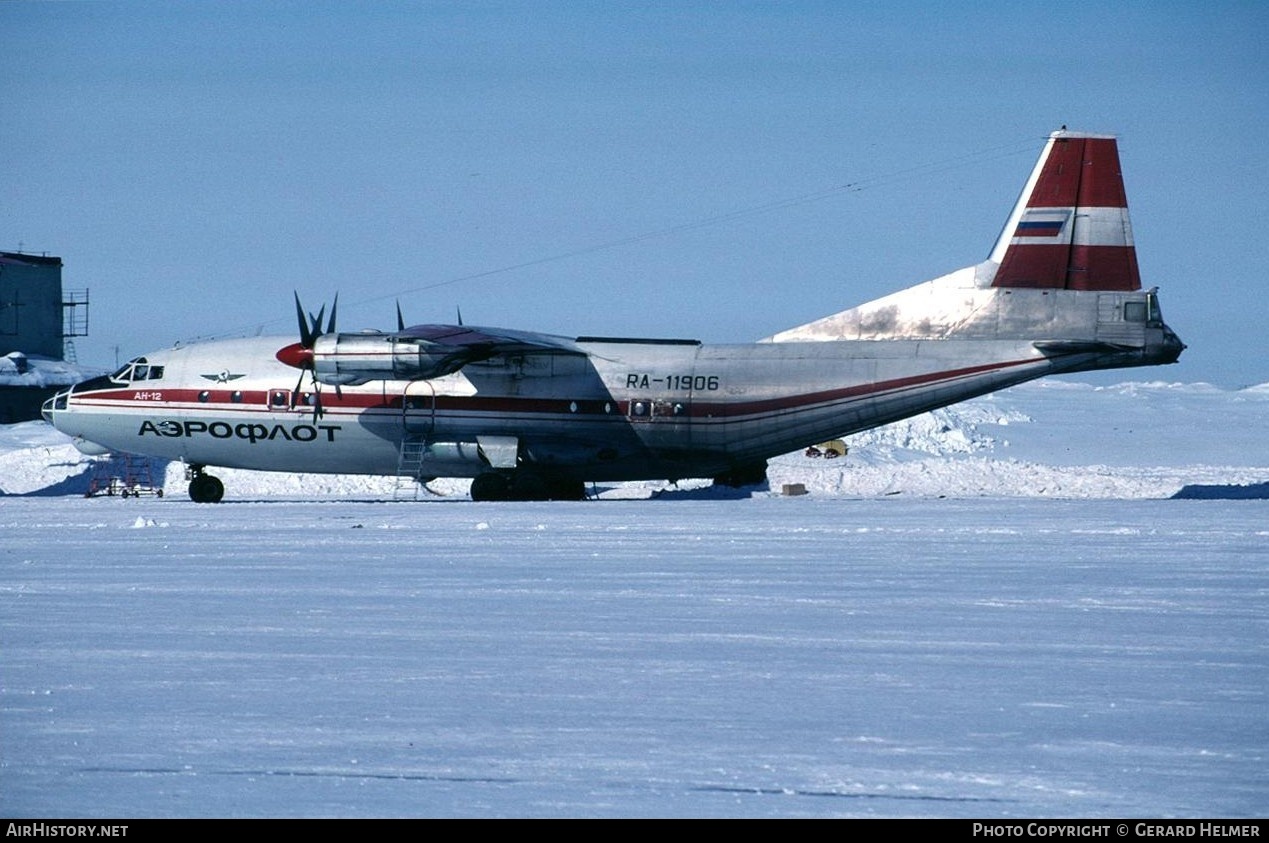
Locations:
{"points": [[204, 488]]}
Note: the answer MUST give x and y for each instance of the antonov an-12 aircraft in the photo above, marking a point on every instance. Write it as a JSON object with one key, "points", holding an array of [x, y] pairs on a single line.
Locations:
{"points": [[532, 416]]}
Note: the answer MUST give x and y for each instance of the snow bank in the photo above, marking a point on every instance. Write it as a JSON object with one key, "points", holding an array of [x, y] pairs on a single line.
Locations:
{"points": [[18, 369]]}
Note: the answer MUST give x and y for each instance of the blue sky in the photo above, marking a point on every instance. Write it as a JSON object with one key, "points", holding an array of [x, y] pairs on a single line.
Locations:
{"points": [[718, 171]]}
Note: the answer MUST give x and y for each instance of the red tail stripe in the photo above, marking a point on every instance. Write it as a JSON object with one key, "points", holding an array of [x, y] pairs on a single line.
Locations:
{"points": [[1080, 172], [1111, 268]]}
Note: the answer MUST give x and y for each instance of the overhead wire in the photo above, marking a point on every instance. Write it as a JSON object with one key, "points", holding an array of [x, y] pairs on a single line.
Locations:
{"points": [[856, 186]]}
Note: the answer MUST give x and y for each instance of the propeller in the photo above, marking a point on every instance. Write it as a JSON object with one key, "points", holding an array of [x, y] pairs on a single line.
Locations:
{"points": [[300, 355], [312, 329]]}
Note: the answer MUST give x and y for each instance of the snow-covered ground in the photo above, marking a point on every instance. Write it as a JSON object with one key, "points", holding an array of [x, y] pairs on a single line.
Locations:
{"points": [[995, 611]]}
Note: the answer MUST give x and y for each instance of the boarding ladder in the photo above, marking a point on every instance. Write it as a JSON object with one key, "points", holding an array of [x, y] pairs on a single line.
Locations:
{"points": [[409, 467]]}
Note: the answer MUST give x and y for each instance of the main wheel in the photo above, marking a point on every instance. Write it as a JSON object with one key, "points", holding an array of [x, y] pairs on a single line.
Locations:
{"points": [[740, 476], [527, 486], [567, 489], [206, 489], [490, 486]]}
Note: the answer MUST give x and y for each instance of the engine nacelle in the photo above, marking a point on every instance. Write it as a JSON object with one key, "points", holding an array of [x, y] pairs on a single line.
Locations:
{"points": [[349, 359]]}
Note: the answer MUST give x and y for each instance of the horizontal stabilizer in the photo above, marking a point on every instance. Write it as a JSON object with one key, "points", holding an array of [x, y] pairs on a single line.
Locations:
{"points": [[1076, 346]]}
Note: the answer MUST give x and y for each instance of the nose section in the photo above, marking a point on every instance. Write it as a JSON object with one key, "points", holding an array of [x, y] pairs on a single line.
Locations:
{"points": [[54, 405], [57, 412]]}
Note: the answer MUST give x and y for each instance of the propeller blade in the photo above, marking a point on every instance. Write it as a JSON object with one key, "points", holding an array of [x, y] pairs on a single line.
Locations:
{"points": [[330, 326], [400, 318], [306, 335], [295, 393], [317, 322]]}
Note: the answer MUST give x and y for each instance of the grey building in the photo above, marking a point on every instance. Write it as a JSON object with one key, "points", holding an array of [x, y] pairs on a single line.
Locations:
{"points": [[36, 319]]}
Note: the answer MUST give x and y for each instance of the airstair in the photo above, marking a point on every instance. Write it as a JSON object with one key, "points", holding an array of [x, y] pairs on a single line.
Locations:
{"points": [[409, 467]]}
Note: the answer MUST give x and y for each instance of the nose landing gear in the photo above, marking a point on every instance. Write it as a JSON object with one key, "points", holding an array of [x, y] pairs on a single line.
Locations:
{"points": [[204, 488]]}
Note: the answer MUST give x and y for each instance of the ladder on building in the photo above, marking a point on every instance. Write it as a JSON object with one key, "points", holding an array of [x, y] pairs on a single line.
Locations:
{"points": [[409, 467]]}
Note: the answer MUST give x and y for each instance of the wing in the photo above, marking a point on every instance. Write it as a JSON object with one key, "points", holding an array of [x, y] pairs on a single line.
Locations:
{"points": [[487, 341]]}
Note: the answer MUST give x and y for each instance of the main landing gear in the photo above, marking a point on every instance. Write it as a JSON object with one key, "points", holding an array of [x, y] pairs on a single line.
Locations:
{"points": [[204, 488], [752, 474], [526, 486]]}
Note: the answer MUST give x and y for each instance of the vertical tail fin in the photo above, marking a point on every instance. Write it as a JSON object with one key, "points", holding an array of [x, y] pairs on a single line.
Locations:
{"points": [[1070, 228]]}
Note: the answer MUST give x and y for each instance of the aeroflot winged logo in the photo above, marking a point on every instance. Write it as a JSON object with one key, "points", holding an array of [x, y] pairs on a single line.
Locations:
{"points": [[224, 377]]}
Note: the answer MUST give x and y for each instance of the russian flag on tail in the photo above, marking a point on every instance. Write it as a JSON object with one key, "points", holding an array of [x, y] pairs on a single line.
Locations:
{"points": [[1044, 223], [1070, 229]]}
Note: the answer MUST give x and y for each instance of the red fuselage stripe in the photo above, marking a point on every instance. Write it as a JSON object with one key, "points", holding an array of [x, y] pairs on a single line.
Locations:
{"points": [[256, 401]]}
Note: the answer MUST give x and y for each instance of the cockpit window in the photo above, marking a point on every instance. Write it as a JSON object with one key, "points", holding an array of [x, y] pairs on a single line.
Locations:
{"points": [[137, 370]]}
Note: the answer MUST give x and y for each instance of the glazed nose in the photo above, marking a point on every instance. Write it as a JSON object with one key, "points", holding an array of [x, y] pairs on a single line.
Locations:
{"points": [[54, 404]]}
